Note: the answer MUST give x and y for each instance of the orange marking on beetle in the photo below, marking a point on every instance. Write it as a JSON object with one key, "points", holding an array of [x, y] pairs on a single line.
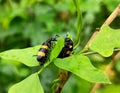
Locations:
{"points": [[68, 52], [41, 54], [70, 46], [44, 46]]}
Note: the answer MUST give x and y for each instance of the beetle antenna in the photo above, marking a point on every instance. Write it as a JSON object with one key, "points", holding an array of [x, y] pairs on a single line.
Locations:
{"points": [[34, 55]]}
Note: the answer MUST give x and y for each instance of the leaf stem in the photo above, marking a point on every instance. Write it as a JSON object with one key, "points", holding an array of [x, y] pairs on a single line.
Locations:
{"points": [[93, 52], [41, 70], [44, 66]]}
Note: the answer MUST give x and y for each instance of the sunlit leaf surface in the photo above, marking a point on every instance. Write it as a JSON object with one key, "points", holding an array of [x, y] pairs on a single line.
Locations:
{"points": [[80, 65], [105, 41]]}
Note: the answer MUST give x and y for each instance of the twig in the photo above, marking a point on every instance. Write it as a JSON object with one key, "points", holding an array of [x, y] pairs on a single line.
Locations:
{"points": [[112, 16], [92, 37], [64, 75]]}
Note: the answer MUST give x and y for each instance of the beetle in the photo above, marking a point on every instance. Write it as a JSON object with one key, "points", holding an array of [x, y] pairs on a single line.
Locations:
{"points": [[67, 49], [44, 49]]}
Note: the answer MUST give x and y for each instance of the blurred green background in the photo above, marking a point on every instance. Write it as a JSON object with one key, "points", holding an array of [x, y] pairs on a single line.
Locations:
{"points": [[25, 23]]}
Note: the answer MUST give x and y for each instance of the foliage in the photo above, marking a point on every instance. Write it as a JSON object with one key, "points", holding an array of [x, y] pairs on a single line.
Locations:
{"points": [[79, 65], [106, 35], [33, 80], [28, 23], [22, 56]]}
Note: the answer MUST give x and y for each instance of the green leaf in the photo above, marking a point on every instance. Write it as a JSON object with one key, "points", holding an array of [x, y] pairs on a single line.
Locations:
{"points": [[105, 41], [113, 88], [80, 65], [24, 56], [57, 48], [29, 85]]}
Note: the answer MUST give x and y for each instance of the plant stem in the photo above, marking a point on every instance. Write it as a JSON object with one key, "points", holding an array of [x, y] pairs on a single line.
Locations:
{"points": [[44, 66], [63, 77], [40, 70], [113, 15], [92, 52], [79, 23], [92, 37]]}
